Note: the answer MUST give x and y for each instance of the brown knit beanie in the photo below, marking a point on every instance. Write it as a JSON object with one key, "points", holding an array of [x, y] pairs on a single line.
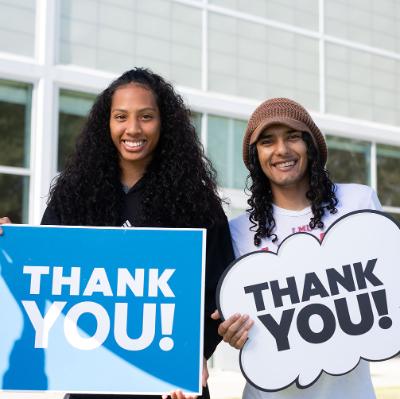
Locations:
{"points": [[286, 112]]}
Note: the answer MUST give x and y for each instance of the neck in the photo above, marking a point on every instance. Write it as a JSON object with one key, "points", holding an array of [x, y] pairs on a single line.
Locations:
{"points": [[131, 175], [291, 197]]}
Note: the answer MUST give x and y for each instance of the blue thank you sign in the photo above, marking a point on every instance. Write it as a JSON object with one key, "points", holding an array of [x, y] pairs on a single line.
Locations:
{"points": [[105, 310]]}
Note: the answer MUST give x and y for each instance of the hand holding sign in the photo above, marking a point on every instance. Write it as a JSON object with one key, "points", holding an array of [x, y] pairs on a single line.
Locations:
{"points": [[312, 301]]}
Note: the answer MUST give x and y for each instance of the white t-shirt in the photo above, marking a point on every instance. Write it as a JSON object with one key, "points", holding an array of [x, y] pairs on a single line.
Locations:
{"points": [[356, 384]]}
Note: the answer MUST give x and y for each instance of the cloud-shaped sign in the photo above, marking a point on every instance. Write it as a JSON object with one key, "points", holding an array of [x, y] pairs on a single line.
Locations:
{"points": [[318, 306]]}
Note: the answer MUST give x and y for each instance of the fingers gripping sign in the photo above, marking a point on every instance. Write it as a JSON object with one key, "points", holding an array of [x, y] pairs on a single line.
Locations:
{"points": [[338, 296], [4, 220]]}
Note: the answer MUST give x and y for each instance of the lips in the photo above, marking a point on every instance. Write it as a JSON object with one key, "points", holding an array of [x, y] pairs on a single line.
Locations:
{"points": [[133, 145], [285, 165]]}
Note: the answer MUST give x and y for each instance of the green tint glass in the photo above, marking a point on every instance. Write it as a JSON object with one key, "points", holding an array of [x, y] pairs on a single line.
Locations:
{"points": [[348, 160], [14, 197], [388, 164], [196, 121], [15, 116], [74, 108], [224, 148]]}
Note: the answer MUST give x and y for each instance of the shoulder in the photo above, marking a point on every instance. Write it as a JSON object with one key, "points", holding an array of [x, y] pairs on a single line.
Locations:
{"points": [[242, 237], [50, 217], [357, 196], [239, 223]]}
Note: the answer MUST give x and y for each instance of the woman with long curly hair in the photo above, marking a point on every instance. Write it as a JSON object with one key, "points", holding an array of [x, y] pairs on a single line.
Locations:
{"points": [[291, 192], [138, 162]]}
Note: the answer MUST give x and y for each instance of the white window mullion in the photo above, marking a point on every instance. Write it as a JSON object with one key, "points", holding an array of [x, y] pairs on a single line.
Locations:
{"points": [[204, 47], [44, 109], [373, 166], [321, 44]]}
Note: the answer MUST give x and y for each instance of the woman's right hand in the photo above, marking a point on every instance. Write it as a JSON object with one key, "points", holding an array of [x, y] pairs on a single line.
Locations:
{"points": [[235, 329], [3, 220]]}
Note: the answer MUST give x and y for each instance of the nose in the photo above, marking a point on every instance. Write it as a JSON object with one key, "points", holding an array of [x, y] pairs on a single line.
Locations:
{"points": [[281, 147], [132, 126]]}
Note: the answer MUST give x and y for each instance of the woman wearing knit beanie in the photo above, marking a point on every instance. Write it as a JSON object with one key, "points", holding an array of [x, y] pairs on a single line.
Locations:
{"points": [[285, 153]]}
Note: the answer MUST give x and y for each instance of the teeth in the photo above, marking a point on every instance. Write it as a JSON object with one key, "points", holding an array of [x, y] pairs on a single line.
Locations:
{"points": [[285, 164], [133, 144]]}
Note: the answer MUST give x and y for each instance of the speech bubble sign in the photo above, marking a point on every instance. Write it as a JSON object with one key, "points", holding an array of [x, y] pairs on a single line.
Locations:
{"points": [[318, 306]]}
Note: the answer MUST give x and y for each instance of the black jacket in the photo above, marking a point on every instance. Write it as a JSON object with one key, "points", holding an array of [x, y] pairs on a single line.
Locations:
{"points": [[219, 255]]}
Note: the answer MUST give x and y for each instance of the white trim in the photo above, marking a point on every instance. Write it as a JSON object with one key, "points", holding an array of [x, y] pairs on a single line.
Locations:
{"points": [[12, 170], [321, 56], [391, 209], [373, 167], [204, 47], [219, 104], [362, 47], [357, 128], [25, 71], [263, 21], [44, 107]]}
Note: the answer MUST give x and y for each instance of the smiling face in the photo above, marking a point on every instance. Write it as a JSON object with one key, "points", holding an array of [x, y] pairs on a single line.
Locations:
{"points": [[135, 126], [282, 154]]}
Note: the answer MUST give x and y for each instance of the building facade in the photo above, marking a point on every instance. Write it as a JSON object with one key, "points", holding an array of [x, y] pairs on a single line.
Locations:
{"points": [[339, 58]]}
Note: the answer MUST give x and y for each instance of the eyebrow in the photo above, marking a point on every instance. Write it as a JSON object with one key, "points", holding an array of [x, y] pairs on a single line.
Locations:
{"points": [[266, 134], [141, 110]]}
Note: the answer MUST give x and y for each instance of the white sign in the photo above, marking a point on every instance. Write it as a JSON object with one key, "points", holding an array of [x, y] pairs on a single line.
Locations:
{"points": [[318, 306]]}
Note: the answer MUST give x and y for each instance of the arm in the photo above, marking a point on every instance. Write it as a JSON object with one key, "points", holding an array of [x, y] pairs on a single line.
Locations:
{"points": [[219, 256]]}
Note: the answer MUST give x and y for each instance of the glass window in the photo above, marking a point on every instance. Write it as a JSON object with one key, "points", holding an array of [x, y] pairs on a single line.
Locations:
{"points": [[302, 13], [17, 26], [362, 85], [348, 160], [255, 61], [224, 148], [372, 22], [74, 108], [14, 197], [162, 35], [15, 117], [388, 164], [196, 120]]}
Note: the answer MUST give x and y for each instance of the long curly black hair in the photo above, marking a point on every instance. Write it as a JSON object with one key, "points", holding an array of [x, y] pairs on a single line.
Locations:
{"points": [[179, 187], [321, 194]]}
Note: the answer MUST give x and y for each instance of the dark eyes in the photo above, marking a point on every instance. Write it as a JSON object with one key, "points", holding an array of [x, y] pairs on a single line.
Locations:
{"points": [[294, 136]]}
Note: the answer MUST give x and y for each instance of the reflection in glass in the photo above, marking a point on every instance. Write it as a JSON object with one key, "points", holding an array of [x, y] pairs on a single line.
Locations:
{"points": [[224, 148], [15, 116], [388, 163], [348, 160], [74, 108], [14, 197]]}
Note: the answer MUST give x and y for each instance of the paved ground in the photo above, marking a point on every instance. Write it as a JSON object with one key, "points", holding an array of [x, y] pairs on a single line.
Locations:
{"points": [[229, 384], [385, 377]]}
